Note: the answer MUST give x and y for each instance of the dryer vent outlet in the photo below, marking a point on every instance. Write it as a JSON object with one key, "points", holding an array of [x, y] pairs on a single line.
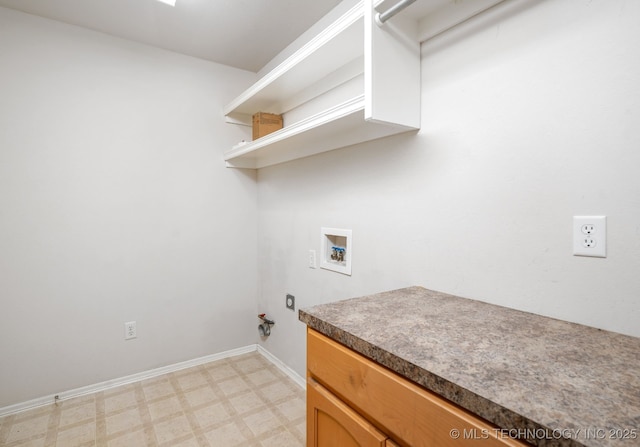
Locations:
{"points": [[290, 302]]}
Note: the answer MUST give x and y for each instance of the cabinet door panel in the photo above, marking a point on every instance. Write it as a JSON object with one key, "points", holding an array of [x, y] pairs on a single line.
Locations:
{"points": [[332, 423], [409, 413]]}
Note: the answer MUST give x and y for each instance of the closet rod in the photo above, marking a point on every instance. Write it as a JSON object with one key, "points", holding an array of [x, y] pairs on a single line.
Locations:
{"points": [[381, 18]]}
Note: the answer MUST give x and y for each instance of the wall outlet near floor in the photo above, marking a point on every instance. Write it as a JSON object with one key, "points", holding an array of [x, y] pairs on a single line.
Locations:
{"points": [[590, 236], [130, 330]]}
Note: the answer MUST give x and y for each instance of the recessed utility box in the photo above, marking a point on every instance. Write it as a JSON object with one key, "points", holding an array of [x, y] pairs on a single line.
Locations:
{"points": [[335, 250]]}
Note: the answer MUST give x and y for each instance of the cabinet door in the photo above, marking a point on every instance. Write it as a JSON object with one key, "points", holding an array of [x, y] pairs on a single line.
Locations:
{"points": [[331, 423], [408, 413]]}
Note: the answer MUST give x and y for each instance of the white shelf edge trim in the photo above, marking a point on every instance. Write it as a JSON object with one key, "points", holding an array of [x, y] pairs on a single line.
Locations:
{"points": [[341, 110], [109, 384], [355, 13]]}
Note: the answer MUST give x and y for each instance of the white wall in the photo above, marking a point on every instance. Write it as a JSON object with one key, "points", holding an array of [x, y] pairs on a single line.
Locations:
{"points": [[529, 117], [115, 205]]}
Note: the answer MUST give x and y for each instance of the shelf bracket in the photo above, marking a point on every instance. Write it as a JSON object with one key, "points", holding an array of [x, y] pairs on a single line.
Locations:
{"points": [[239, 118], [381, 18]]}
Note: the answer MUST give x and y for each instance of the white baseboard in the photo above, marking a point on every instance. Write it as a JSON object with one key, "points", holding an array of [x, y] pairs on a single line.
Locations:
{"points": [[102, 386], [301, 381]]}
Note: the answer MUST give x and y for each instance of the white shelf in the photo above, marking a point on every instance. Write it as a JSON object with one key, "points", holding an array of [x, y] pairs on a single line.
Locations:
{"points": [[339, 126], [333, 48], [353, 82]]}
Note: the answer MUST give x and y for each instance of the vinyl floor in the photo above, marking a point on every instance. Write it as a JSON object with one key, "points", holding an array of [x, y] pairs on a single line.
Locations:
{"points": [[239, 401]]}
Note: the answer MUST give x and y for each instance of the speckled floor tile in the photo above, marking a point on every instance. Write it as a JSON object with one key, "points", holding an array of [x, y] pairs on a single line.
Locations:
{"points": [[243, 400]]}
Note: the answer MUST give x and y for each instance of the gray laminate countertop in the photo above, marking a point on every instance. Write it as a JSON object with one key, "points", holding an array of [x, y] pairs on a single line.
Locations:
{"points": [[551, 382]]}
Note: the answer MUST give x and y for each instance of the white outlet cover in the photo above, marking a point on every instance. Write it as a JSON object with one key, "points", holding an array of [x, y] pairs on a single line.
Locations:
{"points": [[130, 330], [590, 236], [312, 259]]}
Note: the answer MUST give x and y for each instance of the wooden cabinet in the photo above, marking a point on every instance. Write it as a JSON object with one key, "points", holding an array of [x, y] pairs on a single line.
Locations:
{"points": [[376, 397], [335, 424]]}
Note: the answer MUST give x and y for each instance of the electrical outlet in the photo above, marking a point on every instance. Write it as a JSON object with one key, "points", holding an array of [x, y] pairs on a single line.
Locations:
{"points": [[130, 330], [312, 259], [291, 302], [588, 228], [590, 236]]}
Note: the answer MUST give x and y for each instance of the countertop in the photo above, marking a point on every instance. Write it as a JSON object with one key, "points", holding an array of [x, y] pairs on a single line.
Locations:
{"points": [[547, 381]]}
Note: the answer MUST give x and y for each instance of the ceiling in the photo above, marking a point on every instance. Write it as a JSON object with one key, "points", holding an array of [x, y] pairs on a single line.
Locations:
{"points": [[240, 33], [244, 34]]}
